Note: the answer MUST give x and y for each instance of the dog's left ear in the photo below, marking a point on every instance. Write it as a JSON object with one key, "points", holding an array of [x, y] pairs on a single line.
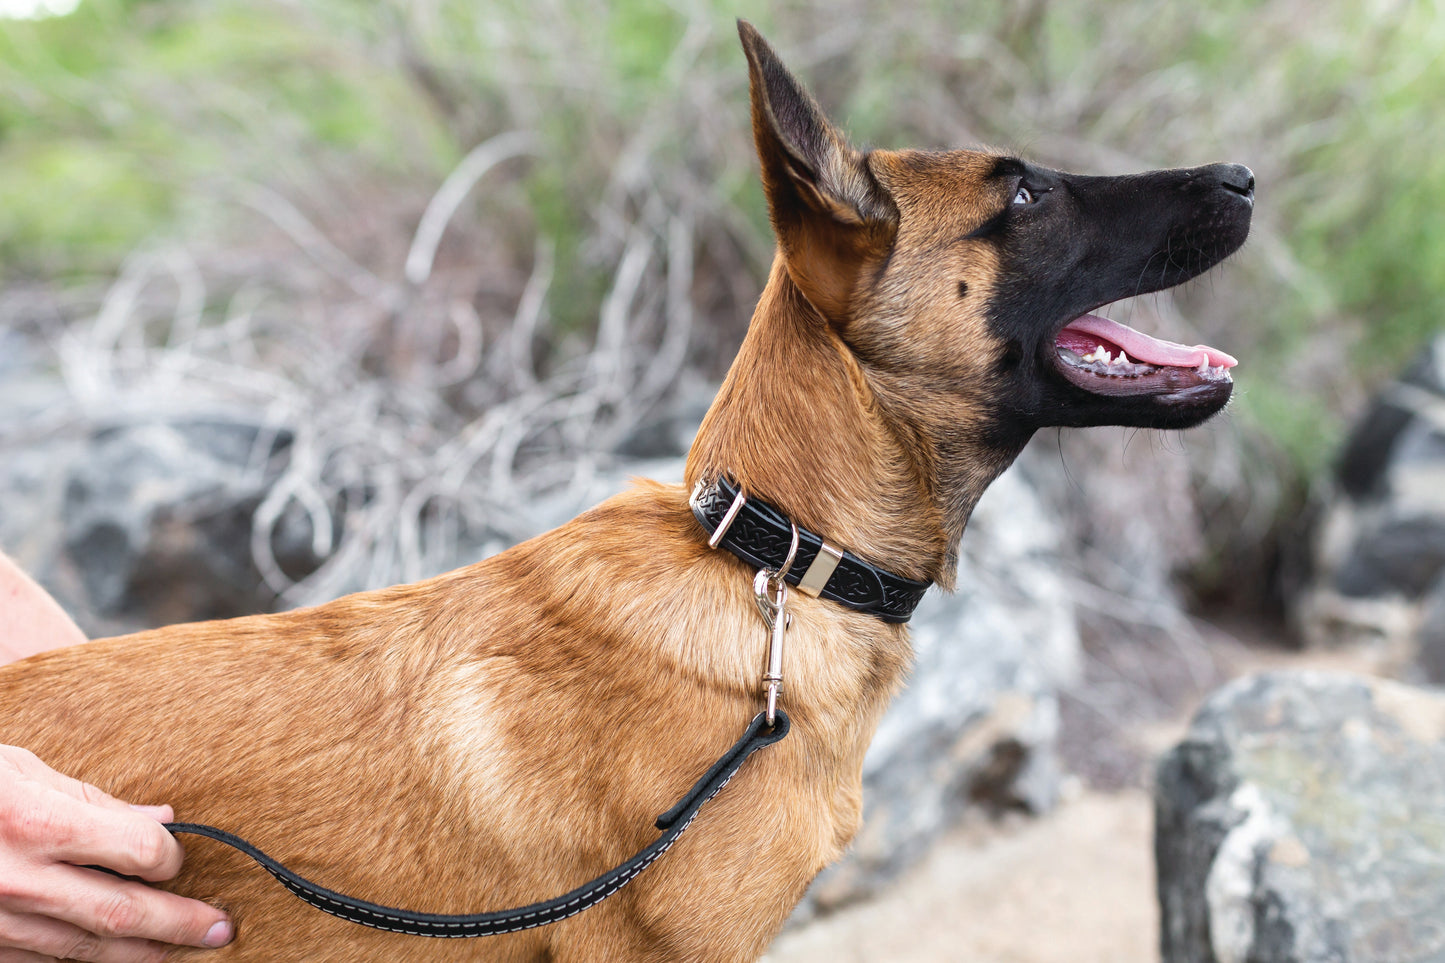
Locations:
{"points": [[830, 214]]}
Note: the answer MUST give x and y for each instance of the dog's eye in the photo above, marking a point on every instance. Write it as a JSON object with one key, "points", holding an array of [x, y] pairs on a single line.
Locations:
{"points": [[1024, 196]]}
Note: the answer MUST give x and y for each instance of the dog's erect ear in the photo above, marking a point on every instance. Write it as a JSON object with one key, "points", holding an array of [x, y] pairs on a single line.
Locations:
{"points": [[830, 214]]}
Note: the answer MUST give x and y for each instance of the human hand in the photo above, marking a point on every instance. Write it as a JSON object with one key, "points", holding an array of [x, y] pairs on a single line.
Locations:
{"points": [[51, 826]]}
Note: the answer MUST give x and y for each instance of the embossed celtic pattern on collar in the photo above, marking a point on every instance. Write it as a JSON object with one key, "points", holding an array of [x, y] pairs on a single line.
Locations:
{"points": [[760, 535]]}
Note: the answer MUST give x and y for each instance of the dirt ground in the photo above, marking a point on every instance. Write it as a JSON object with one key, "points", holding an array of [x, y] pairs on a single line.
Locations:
{"points": [[1074, 886]]}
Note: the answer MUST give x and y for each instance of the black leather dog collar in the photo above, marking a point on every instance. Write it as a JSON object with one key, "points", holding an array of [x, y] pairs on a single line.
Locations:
{"points": [[760, 535]]}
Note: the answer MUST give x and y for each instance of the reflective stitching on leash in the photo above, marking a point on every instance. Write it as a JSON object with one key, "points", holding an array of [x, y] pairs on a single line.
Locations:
{"points": [[413, 927]]}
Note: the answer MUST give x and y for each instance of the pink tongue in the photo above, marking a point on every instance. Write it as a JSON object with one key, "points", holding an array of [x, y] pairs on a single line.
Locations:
{"points": [[1141, 347]]}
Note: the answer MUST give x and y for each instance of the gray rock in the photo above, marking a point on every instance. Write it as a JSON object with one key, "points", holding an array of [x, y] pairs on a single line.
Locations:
{"points": [[1393, 425], [1402, 555], [1377, 548], [1300, 821], [157, 520], [1432, 634]]}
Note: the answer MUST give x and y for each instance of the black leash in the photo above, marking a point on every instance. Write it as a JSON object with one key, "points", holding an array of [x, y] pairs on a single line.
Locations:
{"points": [[757, 533], [673, 822]]}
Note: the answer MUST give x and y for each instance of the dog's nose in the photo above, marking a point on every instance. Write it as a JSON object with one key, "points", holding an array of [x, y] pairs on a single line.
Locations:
{"points": [[1237, 178]]}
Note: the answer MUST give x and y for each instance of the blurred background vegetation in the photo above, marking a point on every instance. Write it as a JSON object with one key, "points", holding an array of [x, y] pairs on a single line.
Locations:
{"points": [[413, 225]]}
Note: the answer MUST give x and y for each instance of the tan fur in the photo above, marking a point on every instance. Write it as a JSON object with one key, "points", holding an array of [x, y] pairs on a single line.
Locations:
{"points": [[504, 732]]}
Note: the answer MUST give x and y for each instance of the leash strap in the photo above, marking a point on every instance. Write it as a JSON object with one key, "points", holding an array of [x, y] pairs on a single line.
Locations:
{"points": [[673, 823], [760, 535]]}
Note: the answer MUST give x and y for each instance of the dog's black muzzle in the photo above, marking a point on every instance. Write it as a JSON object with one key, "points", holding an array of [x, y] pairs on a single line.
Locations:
{"points": [[1091, 241]]}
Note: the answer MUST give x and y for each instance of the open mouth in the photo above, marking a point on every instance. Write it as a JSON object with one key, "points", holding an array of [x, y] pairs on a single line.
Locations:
{"points": [[1108, 358]]}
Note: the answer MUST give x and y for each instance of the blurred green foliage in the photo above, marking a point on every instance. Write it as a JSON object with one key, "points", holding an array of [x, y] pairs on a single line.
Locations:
{"points": [[1381, 237], [133, 120], [119, 121]]}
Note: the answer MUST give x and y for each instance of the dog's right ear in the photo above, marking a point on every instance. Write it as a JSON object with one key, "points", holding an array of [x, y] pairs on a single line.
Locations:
{"points": [[830, 214]]}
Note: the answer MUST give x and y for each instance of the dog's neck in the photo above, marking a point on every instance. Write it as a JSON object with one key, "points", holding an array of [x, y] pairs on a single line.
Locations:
{"points": [[799, 423]]}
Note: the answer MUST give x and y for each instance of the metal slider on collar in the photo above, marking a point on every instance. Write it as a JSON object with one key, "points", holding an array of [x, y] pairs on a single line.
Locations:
{"points": [[719, 533], [815, 579]]}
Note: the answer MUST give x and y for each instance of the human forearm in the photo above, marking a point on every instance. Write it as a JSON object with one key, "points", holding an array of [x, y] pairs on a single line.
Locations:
{"points": [[30, 620]]}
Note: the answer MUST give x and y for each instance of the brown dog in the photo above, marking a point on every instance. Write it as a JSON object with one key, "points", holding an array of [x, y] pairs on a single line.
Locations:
{"points": [[504, 732]]}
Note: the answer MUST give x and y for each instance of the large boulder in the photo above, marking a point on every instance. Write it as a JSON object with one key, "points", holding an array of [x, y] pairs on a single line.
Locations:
{"points": [[148, 522], [158, 518], [1376, 563], [1301, 821]]}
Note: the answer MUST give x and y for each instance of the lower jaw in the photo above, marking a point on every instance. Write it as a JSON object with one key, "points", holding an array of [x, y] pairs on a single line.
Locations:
{"points": [[1170, 410]]}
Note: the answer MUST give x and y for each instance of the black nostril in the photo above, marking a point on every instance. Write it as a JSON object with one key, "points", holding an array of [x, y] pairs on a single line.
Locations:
{"points": [[1239, 179]]}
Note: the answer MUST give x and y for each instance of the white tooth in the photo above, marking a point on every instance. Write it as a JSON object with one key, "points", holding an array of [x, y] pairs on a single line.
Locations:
{"points": [[1122, 359]]}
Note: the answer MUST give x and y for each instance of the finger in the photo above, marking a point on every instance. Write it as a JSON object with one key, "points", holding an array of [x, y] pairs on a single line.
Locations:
{"points": [[120, 909], [28, 764], [48, 939], [124, 840], [23, 956], [81, 823]]}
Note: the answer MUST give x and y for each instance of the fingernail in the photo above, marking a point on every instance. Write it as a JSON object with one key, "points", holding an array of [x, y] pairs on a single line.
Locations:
{"points": [[162, 814], [218, 935]]}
